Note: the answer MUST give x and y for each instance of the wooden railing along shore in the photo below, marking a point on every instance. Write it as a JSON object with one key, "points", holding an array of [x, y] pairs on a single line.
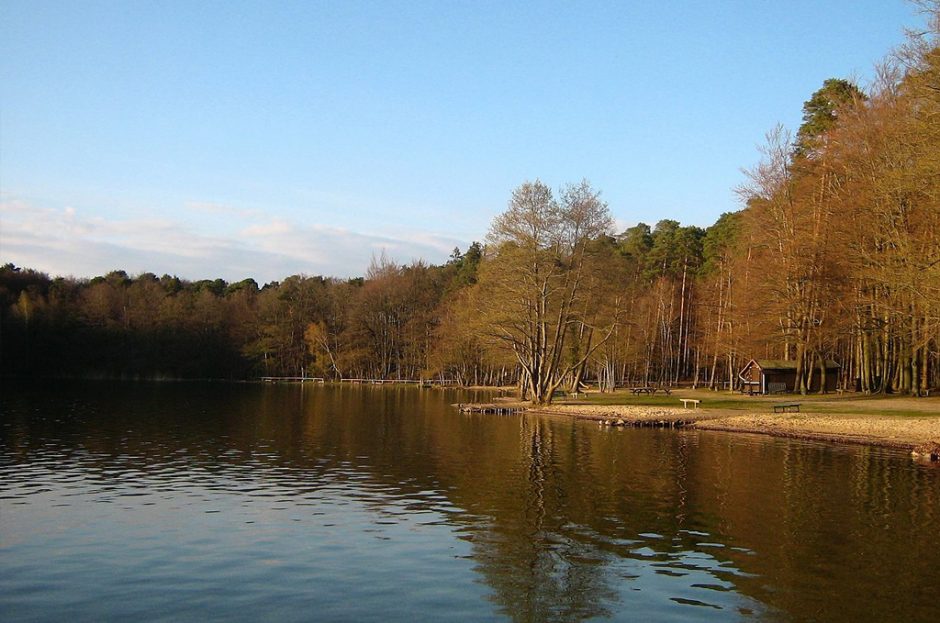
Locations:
{"points": [[360, 381]]}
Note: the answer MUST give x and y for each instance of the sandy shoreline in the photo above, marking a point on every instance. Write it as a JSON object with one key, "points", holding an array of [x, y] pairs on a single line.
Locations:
{"points": [[869, 429], [628, 413], [886, 431]]}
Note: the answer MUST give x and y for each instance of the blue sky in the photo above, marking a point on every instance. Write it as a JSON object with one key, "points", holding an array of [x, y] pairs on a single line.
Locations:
{"points": [[263, 139]]}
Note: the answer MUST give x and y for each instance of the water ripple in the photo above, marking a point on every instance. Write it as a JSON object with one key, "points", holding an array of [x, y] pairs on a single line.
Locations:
{"points": [[250, 504]]}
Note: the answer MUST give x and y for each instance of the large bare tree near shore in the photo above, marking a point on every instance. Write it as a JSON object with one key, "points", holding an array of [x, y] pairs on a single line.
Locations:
{"points": [[540, 280]]}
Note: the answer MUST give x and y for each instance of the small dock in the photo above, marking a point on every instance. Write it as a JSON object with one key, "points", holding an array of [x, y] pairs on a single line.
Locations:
{"points": [[292, 379]]}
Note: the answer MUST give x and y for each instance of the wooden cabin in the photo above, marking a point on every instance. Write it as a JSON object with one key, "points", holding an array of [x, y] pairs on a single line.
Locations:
{"points": [[773, 376]]}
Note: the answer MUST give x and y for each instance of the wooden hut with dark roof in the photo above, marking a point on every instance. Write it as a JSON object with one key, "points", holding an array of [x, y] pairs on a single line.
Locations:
{"points": [[774, 376]]}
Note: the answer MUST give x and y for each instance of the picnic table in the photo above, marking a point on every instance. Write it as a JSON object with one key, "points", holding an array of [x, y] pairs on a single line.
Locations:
{"points": [[783, 407], [650, 390]]}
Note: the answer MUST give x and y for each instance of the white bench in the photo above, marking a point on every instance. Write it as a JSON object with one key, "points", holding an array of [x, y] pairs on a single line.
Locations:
{"points": [[693, 401]]}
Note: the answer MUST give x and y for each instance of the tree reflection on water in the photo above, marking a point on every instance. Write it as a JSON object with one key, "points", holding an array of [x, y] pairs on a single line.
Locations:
{"points": [[564, 520]]}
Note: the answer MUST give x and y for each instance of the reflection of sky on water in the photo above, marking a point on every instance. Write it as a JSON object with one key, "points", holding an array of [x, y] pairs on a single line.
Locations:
{"points": [[230, 544], [250, 525], [376, 504]]}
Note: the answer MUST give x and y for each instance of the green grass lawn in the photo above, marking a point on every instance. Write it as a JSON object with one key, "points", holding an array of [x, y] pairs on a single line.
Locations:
{"points": [[814, 403]]}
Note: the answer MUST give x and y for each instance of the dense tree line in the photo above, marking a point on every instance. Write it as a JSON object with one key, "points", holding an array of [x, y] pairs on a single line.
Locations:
{"points": [[834, 256], [117, 326], [842, 234]]}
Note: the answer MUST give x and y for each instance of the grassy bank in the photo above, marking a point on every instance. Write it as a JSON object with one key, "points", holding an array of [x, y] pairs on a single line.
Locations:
{"points": [[849, 403], [895, 421]]}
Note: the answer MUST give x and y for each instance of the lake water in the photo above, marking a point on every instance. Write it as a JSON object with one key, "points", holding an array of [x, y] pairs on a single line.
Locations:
{"points": [[286, 503]]}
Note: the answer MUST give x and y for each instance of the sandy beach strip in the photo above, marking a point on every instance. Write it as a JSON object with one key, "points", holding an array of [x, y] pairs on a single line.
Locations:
{"points": [[629, 413], [870, 429], [878, 430]]}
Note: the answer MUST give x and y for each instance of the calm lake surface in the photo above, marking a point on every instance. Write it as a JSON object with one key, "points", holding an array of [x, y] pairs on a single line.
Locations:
{"points": [[244, 503]]}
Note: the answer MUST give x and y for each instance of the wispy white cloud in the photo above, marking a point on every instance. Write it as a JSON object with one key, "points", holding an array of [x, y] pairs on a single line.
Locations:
{"points": [[66, 241], [211, 207], [273, 227]]}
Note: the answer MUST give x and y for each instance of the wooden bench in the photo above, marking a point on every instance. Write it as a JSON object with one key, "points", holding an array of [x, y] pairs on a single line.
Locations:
{"points": [[693, 401], [783, 407]]}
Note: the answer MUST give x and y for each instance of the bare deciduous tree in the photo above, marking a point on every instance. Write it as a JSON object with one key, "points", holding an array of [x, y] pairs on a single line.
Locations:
{"points": [[535, 276]]}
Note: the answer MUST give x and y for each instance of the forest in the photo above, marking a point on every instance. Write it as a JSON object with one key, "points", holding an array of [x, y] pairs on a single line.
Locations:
{"points": [[834, 255]]}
